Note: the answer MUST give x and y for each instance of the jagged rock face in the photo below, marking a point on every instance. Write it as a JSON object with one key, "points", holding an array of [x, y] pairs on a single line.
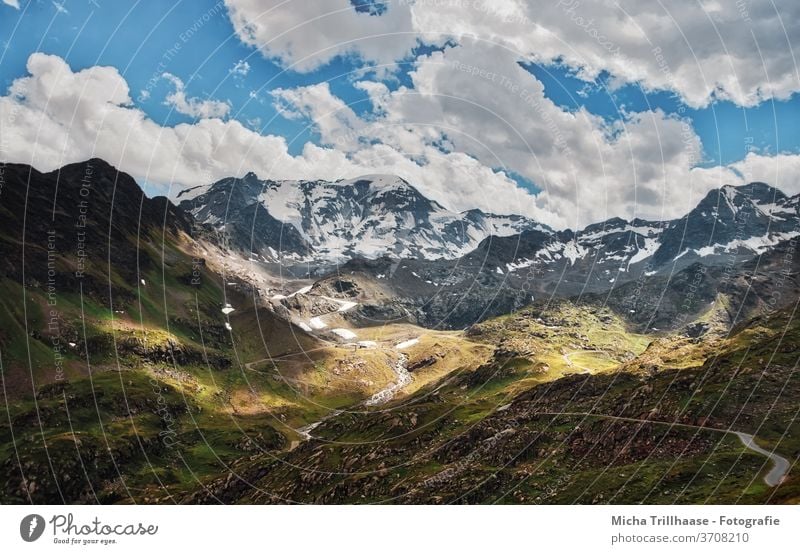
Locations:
{"points": [[729, 225], [321, 222], [229, 207], [442, 269], [434, 267], [335, 221], [749, 219]]}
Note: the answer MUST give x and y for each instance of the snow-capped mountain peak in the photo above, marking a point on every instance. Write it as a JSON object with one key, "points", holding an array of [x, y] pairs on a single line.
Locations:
{"points": [[384, 215], [368, 216]]}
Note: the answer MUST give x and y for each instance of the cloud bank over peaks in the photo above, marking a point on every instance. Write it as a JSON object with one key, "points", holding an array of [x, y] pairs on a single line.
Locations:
{"points": [[472, 120], [474, 101], [56, 116]]}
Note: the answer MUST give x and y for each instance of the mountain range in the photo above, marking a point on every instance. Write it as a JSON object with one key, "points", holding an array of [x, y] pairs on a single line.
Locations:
{"points": [[439, 268], [383, 215], [326, 221], [353, 341]]}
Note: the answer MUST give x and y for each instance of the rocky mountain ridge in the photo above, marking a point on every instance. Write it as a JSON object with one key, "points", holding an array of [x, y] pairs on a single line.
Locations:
{"points": [[332, 222]]}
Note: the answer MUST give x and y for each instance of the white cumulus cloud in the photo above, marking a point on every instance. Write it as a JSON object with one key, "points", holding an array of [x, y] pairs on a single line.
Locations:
{"points": [[193, 107], [447, 143], [55, 116], [702, 50], [306, 34], [240, 69], [472, 103]]}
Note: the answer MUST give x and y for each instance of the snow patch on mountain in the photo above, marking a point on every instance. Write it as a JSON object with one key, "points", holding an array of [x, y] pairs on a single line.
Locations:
{"points": [[346, 334], [322, 222], [333, 221], [407, 344], [757, 245], [317, 323], [573, 251], [649, 248]]}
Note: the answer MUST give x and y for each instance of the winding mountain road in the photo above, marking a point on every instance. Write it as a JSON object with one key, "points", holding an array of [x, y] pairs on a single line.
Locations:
{"points": [[780, 465], [773, 478]]}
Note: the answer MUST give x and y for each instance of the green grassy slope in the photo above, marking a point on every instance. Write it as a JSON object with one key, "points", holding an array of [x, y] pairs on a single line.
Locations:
{"points": [[493, 434]]}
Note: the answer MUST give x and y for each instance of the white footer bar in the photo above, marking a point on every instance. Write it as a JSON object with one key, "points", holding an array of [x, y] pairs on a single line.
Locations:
{"points": [[398, 529]]}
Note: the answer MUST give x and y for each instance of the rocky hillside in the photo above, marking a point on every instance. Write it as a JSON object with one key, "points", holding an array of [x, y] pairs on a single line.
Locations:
{"points": [[651, 427], [149, 357], [407, 258]]}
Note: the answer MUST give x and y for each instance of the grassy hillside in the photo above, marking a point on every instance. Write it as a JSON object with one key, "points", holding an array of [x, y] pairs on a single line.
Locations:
{"points": [[148, 373], [507, 432], [140, 364]]}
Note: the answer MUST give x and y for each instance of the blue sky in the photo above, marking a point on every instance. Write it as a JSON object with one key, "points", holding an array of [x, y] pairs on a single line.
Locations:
{"points": [[208, 48], [135, 42], [139, 43]]}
